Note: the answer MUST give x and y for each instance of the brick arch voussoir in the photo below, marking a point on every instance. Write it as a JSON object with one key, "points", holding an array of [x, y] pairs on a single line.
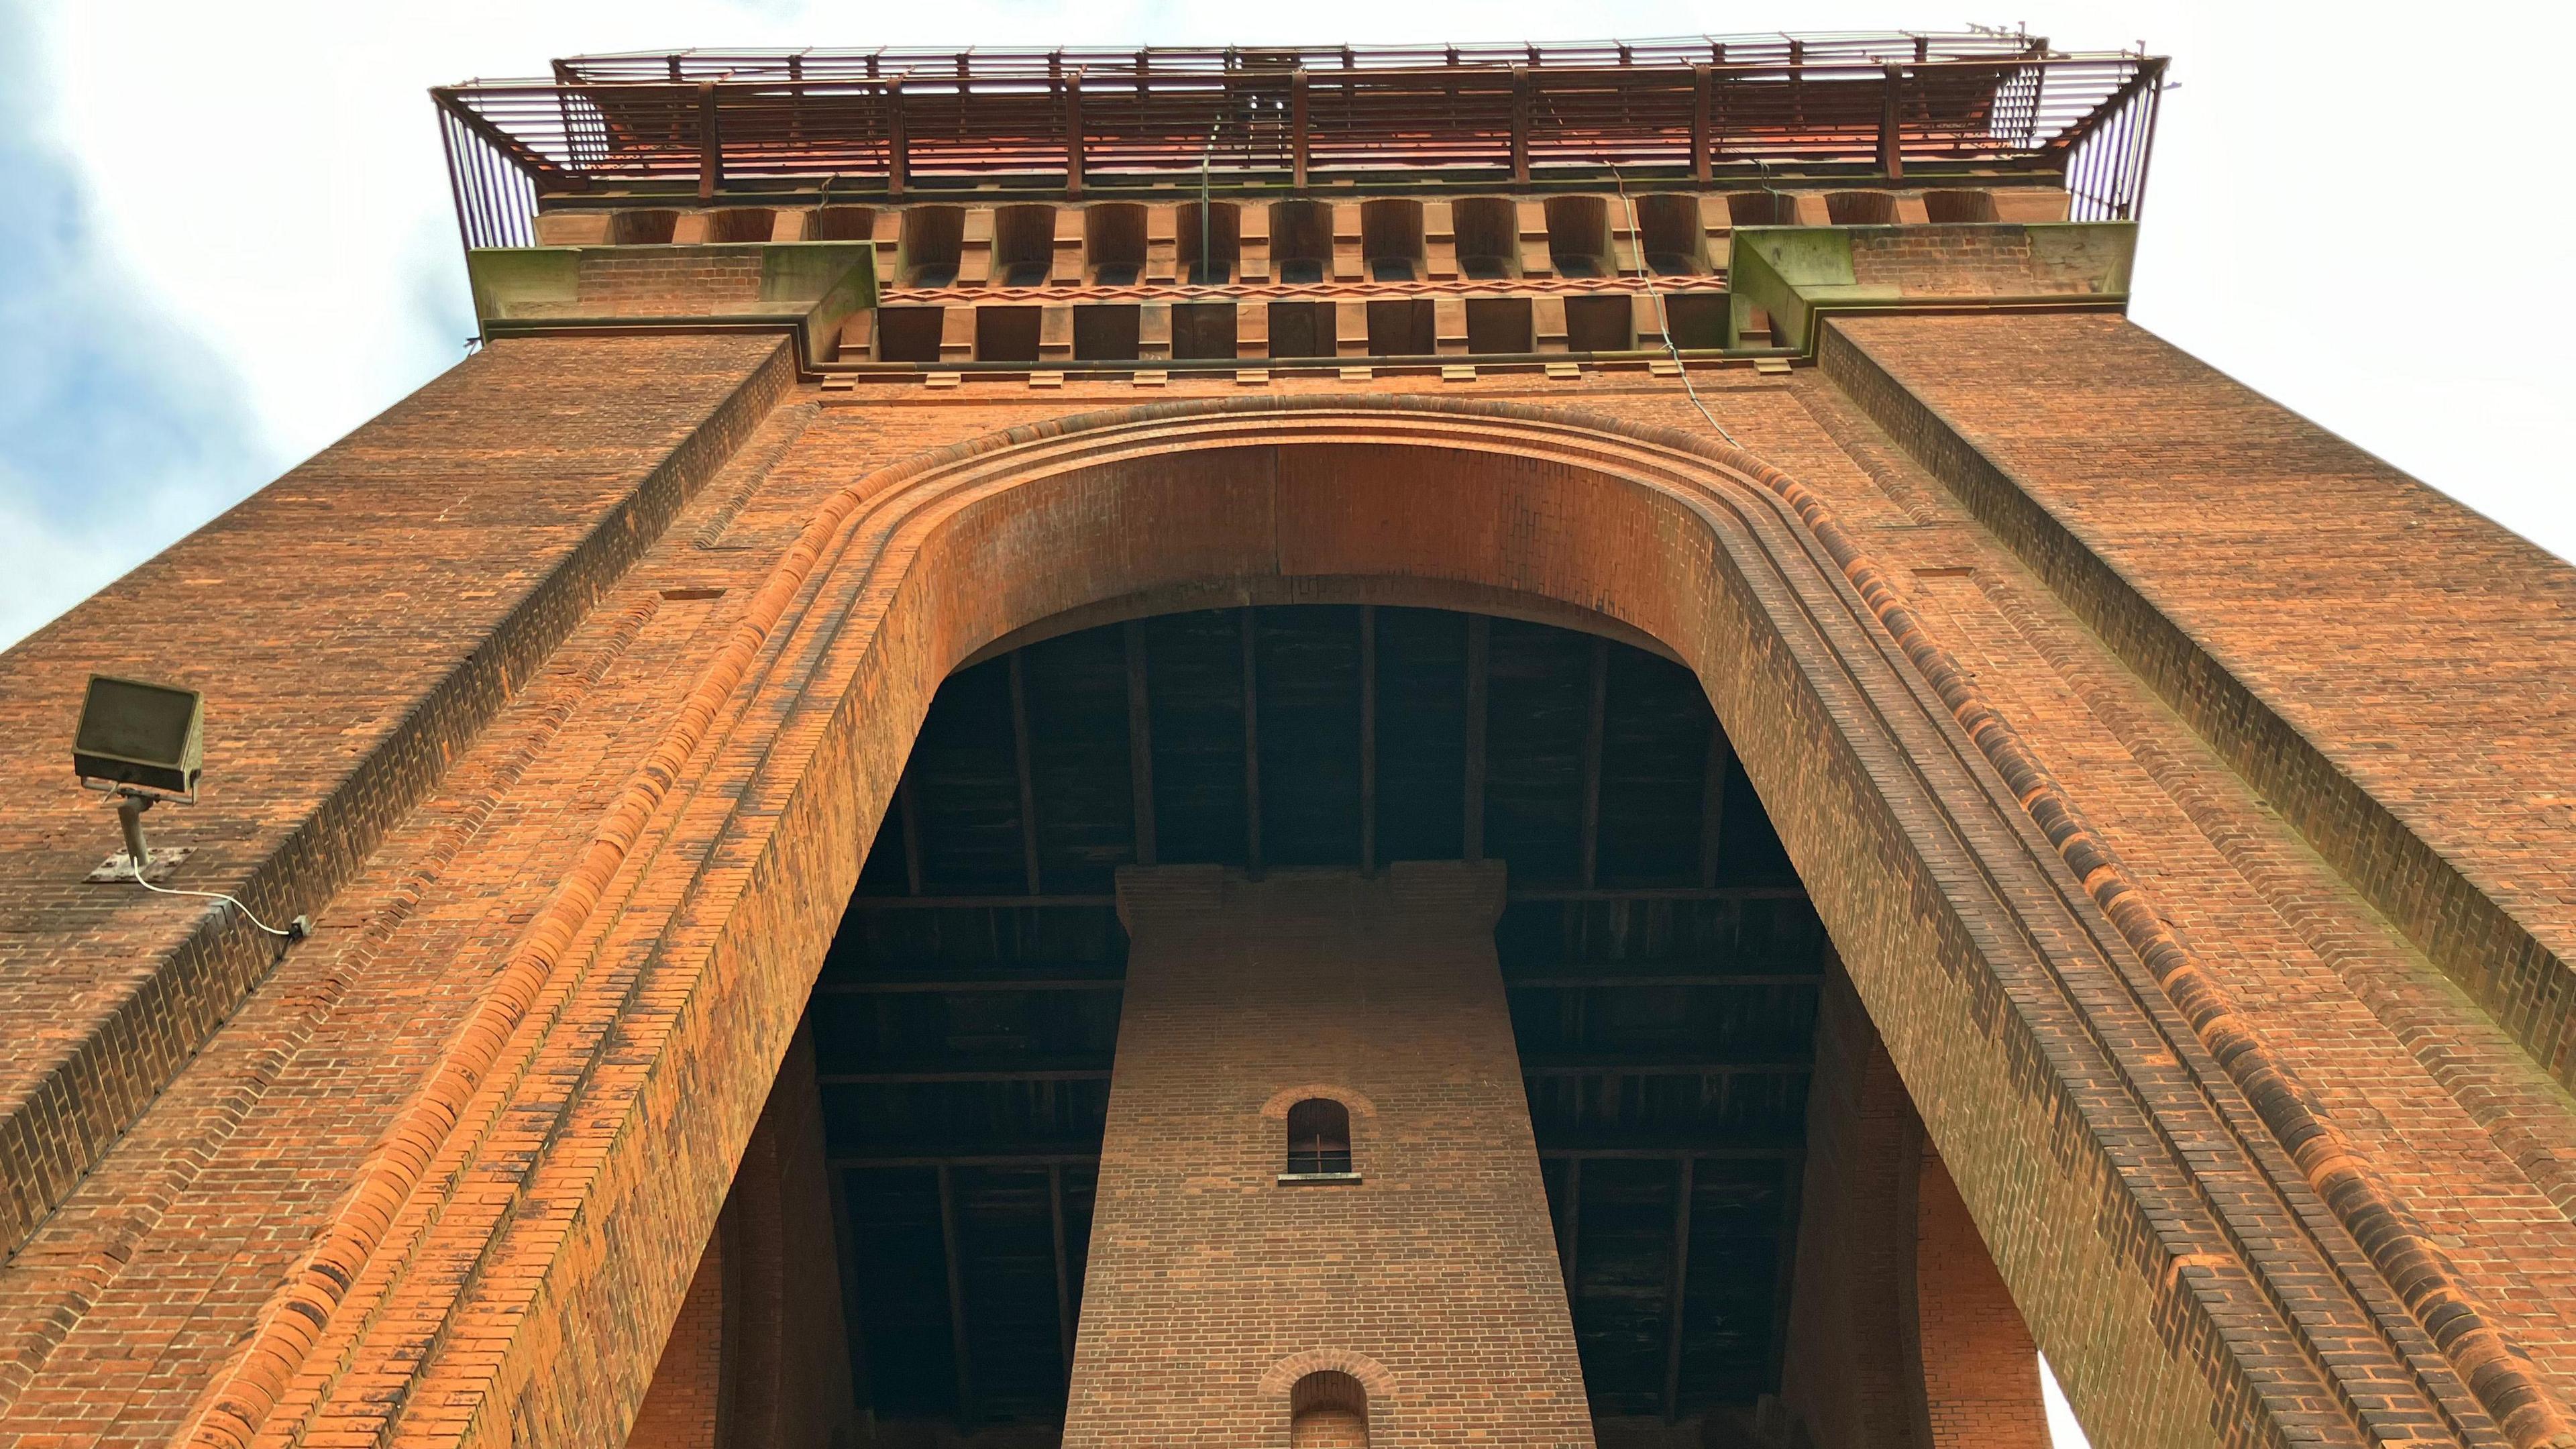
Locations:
{"points": [[1282, 1100]]}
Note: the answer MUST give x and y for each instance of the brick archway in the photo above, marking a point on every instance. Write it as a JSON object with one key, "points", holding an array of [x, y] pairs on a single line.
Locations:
{"points": [[2059, 1060]]}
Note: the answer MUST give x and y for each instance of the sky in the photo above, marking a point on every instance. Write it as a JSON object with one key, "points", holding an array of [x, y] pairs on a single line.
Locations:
{"points": [[231, 240]]}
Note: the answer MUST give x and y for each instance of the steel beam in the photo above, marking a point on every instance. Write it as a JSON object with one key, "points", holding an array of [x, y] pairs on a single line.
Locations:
{"points": [[1251, 743], [1681, 1281], [1601, 1064], [1020, 760], [908, 805], [1140, 739], [1622, 973], [1368, 739], [948, 1242], [977, 902], [943, 985], [1662, 893], [1571, 1253], [1063, 1273], [911, 1076], [1479, 642], [1712, 800], [1572, 1155], [1595, 722], [1033, 1159]]}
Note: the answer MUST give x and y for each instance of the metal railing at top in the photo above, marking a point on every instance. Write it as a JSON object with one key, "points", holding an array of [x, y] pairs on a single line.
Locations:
{"points": [[893, 124]]}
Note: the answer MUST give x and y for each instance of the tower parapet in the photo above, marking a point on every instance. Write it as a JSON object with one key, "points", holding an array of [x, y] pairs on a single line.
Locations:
{"points": [[1505, 207]]}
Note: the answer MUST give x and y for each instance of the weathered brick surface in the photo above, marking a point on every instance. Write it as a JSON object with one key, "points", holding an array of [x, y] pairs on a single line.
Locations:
{"points": [[1902, 1333], [1846, 1376], [352, 625], [1978, 1369], [1213, 1287], [2183, 1279], [1942, 261], [758, 1354], [2388, 668], [685, 1406]]}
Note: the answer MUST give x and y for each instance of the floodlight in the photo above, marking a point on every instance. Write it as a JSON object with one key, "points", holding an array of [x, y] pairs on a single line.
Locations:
{"points": [[142, 742], [139, 738], [139, 742]]}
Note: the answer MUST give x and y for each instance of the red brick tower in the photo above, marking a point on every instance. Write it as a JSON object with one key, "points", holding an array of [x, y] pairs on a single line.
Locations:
{"points": [[1519, 746]]}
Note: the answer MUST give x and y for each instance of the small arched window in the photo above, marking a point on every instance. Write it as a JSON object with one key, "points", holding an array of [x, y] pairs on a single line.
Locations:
{"points": [[1319, 1138], [1328, 1409]]}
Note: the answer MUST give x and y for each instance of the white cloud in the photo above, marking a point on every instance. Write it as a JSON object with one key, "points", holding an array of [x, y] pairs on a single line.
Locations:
{"points": [[271, 181]]}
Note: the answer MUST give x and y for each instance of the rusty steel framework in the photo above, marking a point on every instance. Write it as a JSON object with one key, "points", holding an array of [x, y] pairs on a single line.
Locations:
{"points": [[891, 123]]}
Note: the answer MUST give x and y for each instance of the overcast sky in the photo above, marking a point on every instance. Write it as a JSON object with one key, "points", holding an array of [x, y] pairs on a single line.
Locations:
{"points": [[229, 240]]}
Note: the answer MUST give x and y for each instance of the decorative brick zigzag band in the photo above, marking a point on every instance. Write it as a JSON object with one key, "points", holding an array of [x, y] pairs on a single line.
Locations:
{"points": [[379, 1226]]}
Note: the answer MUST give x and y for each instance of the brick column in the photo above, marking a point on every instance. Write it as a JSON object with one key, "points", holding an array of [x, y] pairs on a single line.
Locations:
{"points": [[1214, 1288]]}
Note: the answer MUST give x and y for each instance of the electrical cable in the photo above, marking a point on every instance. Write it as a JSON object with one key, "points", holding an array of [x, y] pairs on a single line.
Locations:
{"points": [[1646, 275], [233, 901], [1663, 317]]}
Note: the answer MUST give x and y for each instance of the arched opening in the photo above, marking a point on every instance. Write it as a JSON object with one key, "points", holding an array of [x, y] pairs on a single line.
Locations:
{"points": [[741, 224], [1486, 231], [1113, 242], [1712, 566], [1023, 244], [1328, 1409], [1208, 238], [1861, 208], [1301, 241], [1670, 234], [1319, 1139], [637, 226], [1391, 239], [1959, 206], [842, 223], [1578, 236], [1760, 208], [1659, 970], [933, 240]]}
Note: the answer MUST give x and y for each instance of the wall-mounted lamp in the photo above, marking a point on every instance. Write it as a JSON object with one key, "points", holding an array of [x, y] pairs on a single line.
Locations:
{"points": [[144, 743], [141, 743]]}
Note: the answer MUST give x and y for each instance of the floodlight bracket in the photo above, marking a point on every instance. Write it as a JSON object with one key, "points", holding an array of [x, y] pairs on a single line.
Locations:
{"points": [[127, 789]]}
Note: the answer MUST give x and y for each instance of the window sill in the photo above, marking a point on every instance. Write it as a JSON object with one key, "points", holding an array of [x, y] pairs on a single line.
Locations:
{"points": [[1305, 1179]]}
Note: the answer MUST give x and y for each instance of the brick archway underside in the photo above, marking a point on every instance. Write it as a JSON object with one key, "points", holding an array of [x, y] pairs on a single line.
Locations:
{"points": [[664, 982]]}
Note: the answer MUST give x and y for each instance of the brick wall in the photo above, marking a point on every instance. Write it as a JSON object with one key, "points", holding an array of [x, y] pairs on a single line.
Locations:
{"points": [[1979, 1370], [353, 626], [1213, 1288], [685, 1406], [1962, 262], [2387, 667], [1847, 1377], [759, 1354]]}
